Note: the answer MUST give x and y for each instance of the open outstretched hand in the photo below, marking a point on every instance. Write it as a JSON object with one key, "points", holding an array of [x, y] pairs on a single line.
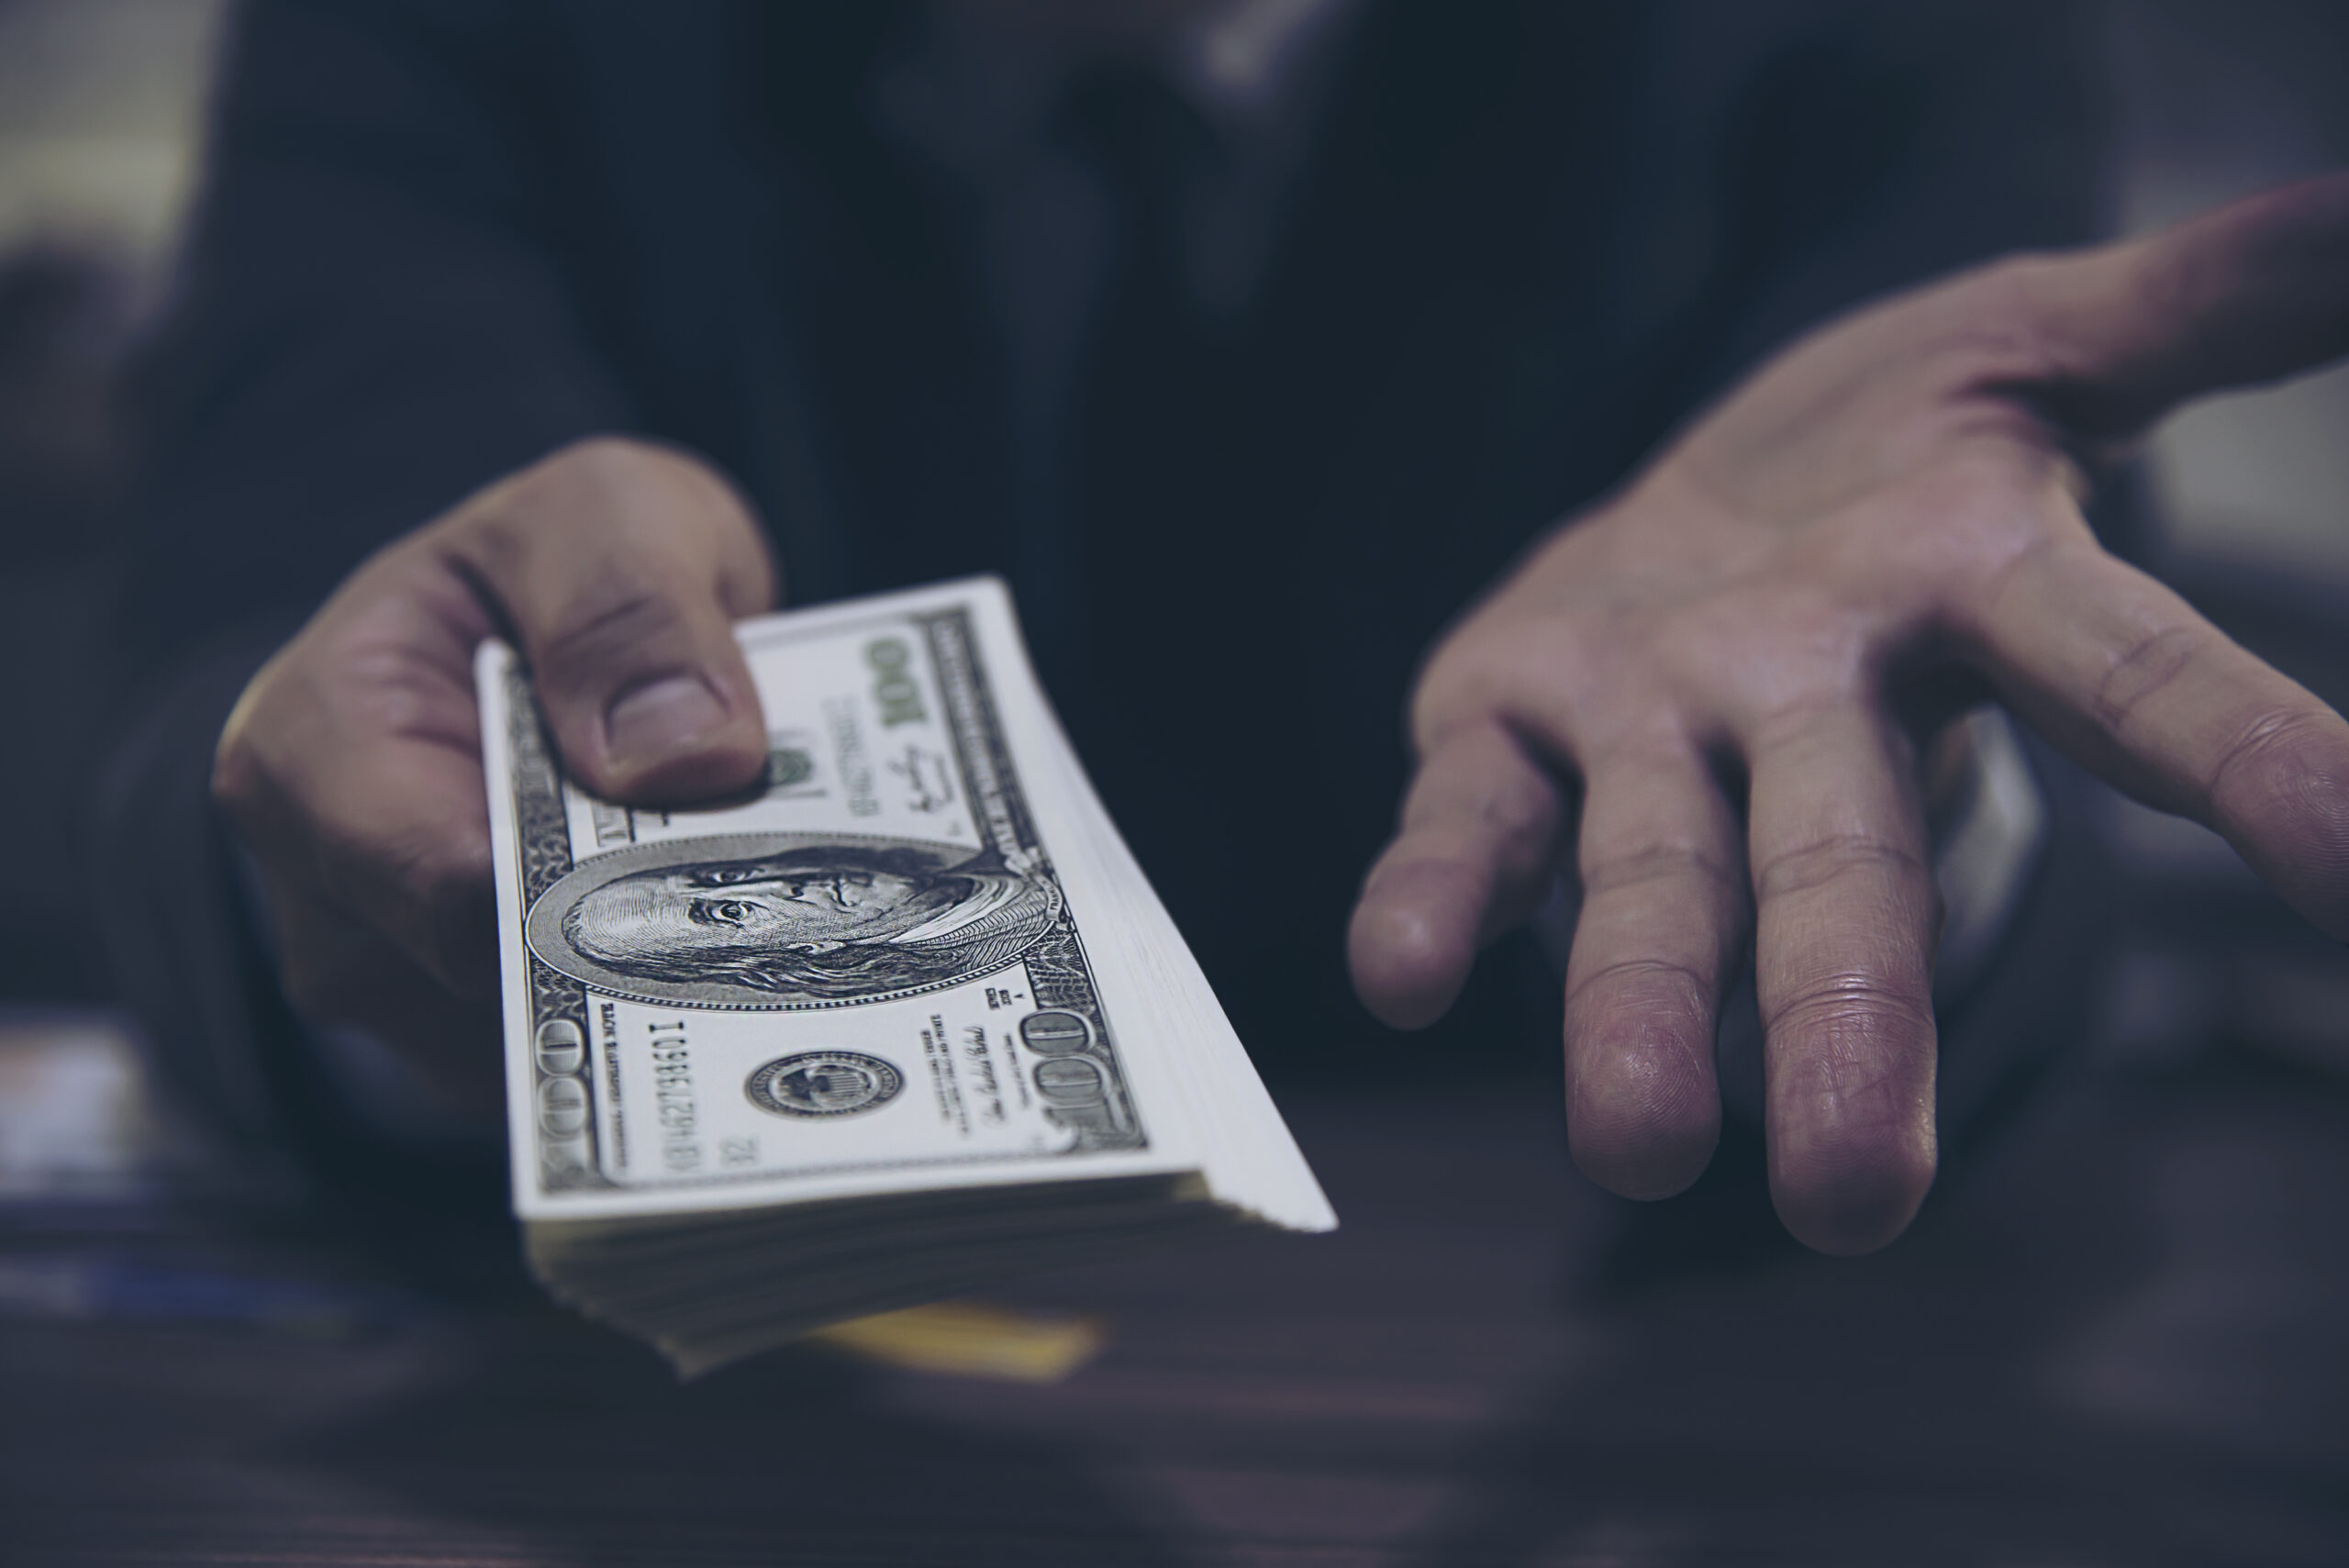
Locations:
{"points": [[1724, 667]]}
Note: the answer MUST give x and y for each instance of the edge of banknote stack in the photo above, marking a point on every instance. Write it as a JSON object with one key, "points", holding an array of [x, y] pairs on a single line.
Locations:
{"points": [[711, 1267]]}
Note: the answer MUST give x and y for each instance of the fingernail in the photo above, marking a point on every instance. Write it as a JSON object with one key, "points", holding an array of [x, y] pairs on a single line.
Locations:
{"points": [[660, 718]]}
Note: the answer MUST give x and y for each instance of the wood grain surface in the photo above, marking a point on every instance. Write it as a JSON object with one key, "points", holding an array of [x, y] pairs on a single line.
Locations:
{"points": [[2116, 1341]]}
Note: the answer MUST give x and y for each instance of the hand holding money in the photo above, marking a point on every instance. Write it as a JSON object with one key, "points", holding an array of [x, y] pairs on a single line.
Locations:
{"points": [[902, 1017], [352, 766]]}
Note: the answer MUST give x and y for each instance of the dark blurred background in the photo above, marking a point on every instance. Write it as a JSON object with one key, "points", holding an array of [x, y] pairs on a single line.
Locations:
{"points": [[2163, 1338], [100, 108]]}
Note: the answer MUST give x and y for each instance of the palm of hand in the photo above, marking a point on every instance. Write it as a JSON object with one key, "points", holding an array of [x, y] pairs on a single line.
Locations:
{"points": [[1727, 667]]}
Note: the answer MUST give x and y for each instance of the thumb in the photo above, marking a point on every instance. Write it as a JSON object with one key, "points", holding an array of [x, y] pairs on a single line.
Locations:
{"points": [[620, 568], [2243, 294]]}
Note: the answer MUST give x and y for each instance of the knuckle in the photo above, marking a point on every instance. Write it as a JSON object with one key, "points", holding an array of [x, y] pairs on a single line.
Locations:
{"points": [[1860, 1013], [1695, 642], [594, 491], [1799, 676], [613, 558], [1837, 857], [1645, 864], [614, 628], [2001, 333], [662, 494], [601, 464], [1657, 996], [1997, 497], [2141, 670]]}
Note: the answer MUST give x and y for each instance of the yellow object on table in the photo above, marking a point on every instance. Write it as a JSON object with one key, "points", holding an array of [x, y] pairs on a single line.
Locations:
{"points": [[970, 1339]]}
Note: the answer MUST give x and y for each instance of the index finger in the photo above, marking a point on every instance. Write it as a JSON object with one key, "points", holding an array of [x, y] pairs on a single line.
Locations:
{"points": [[1477, 847], [2123, 675]]}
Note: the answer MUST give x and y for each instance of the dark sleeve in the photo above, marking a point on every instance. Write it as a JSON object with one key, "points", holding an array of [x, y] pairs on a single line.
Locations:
{"points": [[370, 322], [1798, 157], [371, 319]]}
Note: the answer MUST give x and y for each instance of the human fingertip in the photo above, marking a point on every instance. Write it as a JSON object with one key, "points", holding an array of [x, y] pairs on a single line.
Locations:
{"points": [[1646, 1147], [1650, 1166], [1644, 1109], [2285, 806], [1408, 969], [1858, 1209], [673, 738]]}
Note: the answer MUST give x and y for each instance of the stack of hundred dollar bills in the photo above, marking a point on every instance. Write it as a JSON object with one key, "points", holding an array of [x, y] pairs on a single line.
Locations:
{"points": [[902, 1019]]}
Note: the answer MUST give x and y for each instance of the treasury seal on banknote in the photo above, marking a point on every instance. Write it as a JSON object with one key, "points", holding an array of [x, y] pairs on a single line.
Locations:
{"points": [[789, 919], [823, 1083]]}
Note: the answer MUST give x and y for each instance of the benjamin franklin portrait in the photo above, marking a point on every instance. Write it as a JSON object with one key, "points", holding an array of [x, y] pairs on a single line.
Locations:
{"points": [[774, 920]]}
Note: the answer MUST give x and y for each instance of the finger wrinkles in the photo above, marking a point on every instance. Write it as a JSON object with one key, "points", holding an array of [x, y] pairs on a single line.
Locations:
{"points": [[1821, 862], [1650, 977], [2144, 670], [1845, 1005], [1617, 871], [609, 634]]}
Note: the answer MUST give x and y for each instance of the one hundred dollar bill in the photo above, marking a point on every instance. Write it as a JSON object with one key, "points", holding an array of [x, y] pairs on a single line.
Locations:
{"points": [[903, 1017]]}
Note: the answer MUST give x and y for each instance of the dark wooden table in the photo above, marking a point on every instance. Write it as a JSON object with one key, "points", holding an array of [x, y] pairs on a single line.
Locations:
{"points": [[2121, 1339]]}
